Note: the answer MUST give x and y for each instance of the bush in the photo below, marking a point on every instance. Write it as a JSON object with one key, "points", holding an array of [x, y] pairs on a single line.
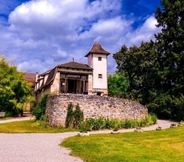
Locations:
{"points": [[84, 127], [39, 110], [153, 118], [143, 122], [106, 123], [78, 117], [100, 123], [69, 116], [131, 123], [113, 123], [74, 118], [178, 113], [90, 124]]}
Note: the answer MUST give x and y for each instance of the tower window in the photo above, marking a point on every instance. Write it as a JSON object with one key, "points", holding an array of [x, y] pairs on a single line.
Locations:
{"points": [[99, 75], [99, 58]]}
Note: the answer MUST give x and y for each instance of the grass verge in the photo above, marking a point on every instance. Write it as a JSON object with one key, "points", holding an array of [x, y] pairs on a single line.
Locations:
{"points": [[6, 118], [31, 126], [152, 146]]}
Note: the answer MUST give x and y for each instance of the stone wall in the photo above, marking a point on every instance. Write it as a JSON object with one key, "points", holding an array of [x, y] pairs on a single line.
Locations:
{"points": [[93, 106]]}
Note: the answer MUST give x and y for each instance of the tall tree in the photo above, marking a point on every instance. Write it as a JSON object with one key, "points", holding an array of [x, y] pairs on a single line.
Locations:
{"points": [[170, 46], [170, 50], [155, 69], [138, 64], [14, 90]]}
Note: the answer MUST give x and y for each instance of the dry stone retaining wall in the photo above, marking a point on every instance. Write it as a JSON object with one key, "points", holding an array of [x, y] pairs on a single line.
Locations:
{"points": [[93, 106]]}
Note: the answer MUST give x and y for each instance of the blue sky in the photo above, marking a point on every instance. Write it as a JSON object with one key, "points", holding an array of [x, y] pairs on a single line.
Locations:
{"points": [[36, 35]]}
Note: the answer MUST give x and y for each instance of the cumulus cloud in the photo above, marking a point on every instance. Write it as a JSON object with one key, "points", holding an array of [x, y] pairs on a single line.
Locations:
{"points": [[32, 65], [44, 33], [143, 33], [107, 28], [44, 18]]}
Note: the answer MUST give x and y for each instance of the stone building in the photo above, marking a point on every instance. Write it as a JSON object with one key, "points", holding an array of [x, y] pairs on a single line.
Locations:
{"points": [[75, 77]]}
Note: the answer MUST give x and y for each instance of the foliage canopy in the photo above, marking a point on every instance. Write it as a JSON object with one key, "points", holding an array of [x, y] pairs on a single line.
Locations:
{"points": [[117, 85], [39, 110], [155, 69], [14, 89]]}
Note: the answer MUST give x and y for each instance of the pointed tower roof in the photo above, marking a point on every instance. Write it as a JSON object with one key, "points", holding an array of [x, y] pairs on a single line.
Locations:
{"points": [[97, 49]]}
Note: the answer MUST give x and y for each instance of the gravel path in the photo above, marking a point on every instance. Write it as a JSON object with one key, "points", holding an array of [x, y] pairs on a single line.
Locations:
{"points": [[43, 147], [15, 120], [34, 148]]}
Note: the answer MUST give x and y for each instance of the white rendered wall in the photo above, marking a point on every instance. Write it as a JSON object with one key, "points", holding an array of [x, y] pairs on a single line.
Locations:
{"points": [[90, 60], [99, 67]]}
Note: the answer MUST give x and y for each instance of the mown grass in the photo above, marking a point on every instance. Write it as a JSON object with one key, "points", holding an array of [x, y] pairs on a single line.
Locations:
{"points": [[6, 118], [31, 126], [152, 146]]}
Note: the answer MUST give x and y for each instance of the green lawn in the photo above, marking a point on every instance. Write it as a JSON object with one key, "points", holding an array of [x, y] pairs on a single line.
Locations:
{"points": [[30, 127], [152, 146], [6, 118]]}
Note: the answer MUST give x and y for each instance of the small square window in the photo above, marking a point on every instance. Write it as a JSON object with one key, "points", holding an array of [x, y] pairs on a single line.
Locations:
{"points": [[99, 58], [99, 75]]}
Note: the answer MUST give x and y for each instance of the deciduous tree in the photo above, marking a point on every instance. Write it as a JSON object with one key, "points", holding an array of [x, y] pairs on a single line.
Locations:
{"points": [[14, 90], [117, 85], [138, 64], [155, 69]]}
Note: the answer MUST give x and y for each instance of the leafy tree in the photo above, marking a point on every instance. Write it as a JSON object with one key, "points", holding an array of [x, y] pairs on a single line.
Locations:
{"points": [[170, 50], [179, 103], [14, 90], [160, 104], [39, 110], [169, 45], [138, 65], [117, 85], [155, 69]]}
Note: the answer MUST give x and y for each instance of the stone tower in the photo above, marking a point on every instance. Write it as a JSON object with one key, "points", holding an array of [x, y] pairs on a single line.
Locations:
{"points": [[97, 59]]}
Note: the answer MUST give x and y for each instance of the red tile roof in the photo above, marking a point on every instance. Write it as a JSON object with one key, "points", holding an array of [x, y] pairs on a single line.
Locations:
{"points": [[30, 77], [97, 49]]}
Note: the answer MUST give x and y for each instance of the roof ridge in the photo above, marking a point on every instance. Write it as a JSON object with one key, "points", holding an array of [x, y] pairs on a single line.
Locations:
{"points": [[76, 65]]}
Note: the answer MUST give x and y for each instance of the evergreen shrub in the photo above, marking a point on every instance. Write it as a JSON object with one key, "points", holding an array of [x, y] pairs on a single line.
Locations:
{"points": [[73, 117], [39, 110]]}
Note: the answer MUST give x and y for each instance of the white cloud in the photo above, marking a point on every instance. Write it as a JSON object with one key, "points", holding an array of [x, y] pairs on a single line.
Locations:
{"points": [[44, 18], [107, 28], [31, 65], [43, 33], [59, 55], [99, 8], [143, 33]]}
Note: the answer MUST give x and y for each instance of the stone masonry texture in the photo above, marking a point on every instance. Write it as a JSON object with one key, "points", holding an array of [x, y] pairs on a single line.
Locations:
{"points": [[93, 106]]}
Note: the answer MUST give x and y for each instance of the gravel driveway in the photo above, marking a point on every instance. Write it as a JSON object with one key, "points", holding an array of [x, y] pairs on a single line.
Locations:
{"points": [[34, 148], [44, 147]]}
